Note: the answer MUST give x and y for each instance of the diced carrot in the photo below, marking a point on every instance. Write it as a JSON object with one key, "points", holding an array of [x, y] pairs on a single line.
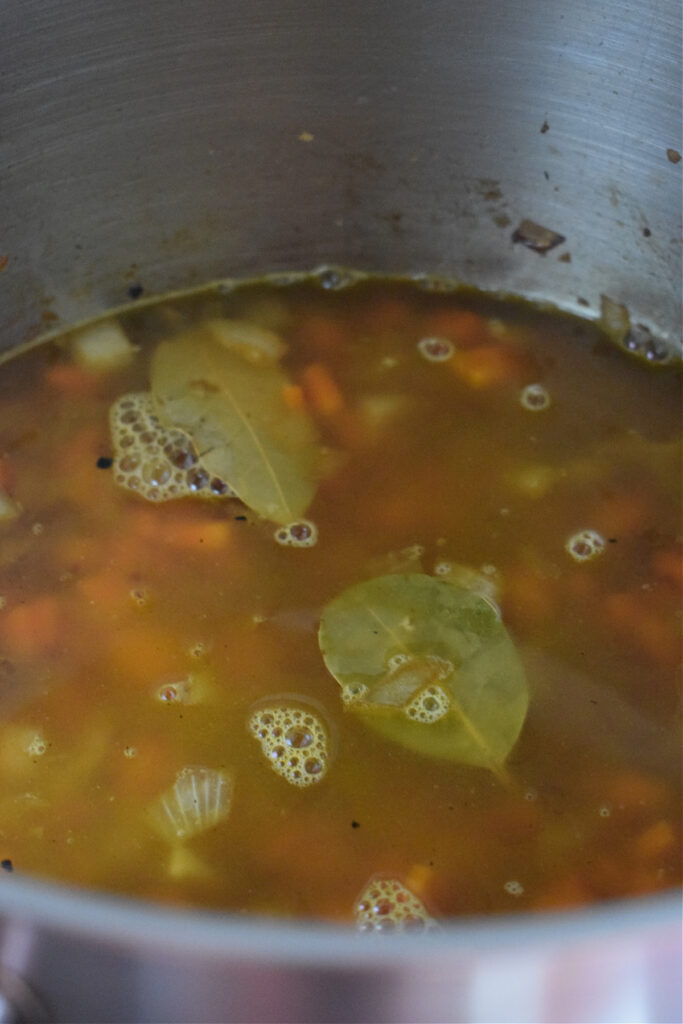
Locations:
{"points": [[71, 380], [669, 565], [419, 880], [461, 326], [78, 550], [656, 841], [293, 396], [143, 654], [32, 627], [528, 596], [107, 591], [386, 313], [189, 533], [321, 334], [633, 617], [211, 535], [7, 473], [486, 366], [321, 390], [622, 514], [569, 891], [146, 768], [630, 790]]}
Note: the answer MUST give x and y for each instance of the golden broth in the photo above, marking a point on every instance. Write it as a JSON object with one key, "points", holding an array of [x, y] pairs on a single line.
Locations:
{"points": [[138, 637]]}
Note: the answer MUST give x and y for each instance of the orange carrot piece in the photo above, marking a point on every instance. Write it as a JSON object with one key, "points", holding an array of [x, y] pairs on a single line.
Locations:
{"points": [[656, 841], [321, 390], [143, 654], [623, 514], [107, 591], [486, 366], [461, 326], [32, 627], [634, 618], [321, 334], [565, 892], [293, 396], [71, 380], [528, 596], [386, 313], [631, 790], [7, 473], [419, 880], [669, 565]]}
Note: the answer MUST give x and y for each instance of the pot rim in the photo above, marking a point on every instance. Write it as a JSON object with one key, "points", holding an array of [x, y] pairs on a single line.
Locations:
{"points": [[122, 921]]}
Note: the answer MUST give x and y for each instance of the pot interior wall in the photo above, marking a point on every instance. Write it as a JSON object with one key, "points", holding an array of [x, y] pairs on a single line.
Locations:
{"points": [[168, 144]]}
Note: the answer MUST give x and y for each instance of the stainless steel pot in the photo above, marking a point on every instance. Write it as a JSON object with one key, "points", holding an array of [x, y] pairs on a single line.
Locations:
{"points": [[164, 144]]}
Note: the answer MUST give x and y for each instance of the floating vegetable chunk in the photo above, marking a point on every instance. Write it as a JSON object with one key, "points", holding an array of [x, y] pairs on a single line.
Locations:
{"points": [[294, 740], [199, 799], [429, 665], [235, 410], [385, 905], [157, 462]]}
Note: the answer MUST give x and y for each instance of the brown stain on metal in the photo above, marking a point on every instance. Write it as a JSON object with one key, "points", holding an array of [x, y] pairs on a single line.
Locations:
{"points": [[673, 156], [545, 127], [4, 260]]}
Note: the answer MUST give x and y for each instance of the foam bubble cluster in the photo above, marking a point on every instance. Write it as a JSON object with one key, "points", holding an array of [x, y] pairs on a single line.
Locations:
{"points": [[301, 534], [159, 463], [385, 905], [535, 398], [436, 350], [294, 740], [585, 545], [353, 692], [199, 799], [429, 705]]}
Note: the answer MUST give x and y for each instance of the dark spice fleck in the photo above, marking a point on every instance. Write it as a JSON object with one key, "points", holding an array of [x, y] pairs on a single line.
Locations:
{"points": [[6, 864], [611, 540], [104, 462], [135, 291], [355, 824], [544, 127], [646, 232], [240, 519]]}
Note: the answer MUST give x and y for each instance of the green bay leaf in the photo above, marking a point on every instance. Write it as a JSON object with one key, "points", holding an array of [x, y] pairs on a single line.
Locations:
{"points": [[400, 642], [235, 411]]}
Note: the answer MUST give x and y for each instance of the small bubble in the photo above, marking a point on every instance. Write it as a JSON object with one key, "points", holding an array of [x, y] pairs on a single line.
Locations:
{"points": [[333, 278], [198, 650], [197, 479], [167, 694], [130, 752], [605, 811], [129, 463], [442, 568], [585, 545], [298, 738], [182, 458], [37, 529], [300, 534], [36, 747], [531, 795], [436, 350], [534, 397], [514, 888]]}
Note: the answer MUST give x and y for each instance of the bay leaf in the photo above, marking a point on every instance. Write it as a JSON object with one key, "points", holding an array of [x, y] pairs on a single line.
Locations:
{"points": [[396, 640], [235, 411]]}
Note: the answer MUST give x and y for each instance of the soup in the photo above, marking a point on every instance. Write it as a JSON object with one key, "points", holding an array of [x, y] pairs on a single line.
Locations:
{"points": [[342, 597]]}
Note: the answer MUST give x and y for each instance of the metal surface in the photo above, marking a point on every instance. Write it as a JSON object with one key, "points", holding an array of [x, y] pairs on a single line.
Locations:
{"points": [[165, 144]]}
